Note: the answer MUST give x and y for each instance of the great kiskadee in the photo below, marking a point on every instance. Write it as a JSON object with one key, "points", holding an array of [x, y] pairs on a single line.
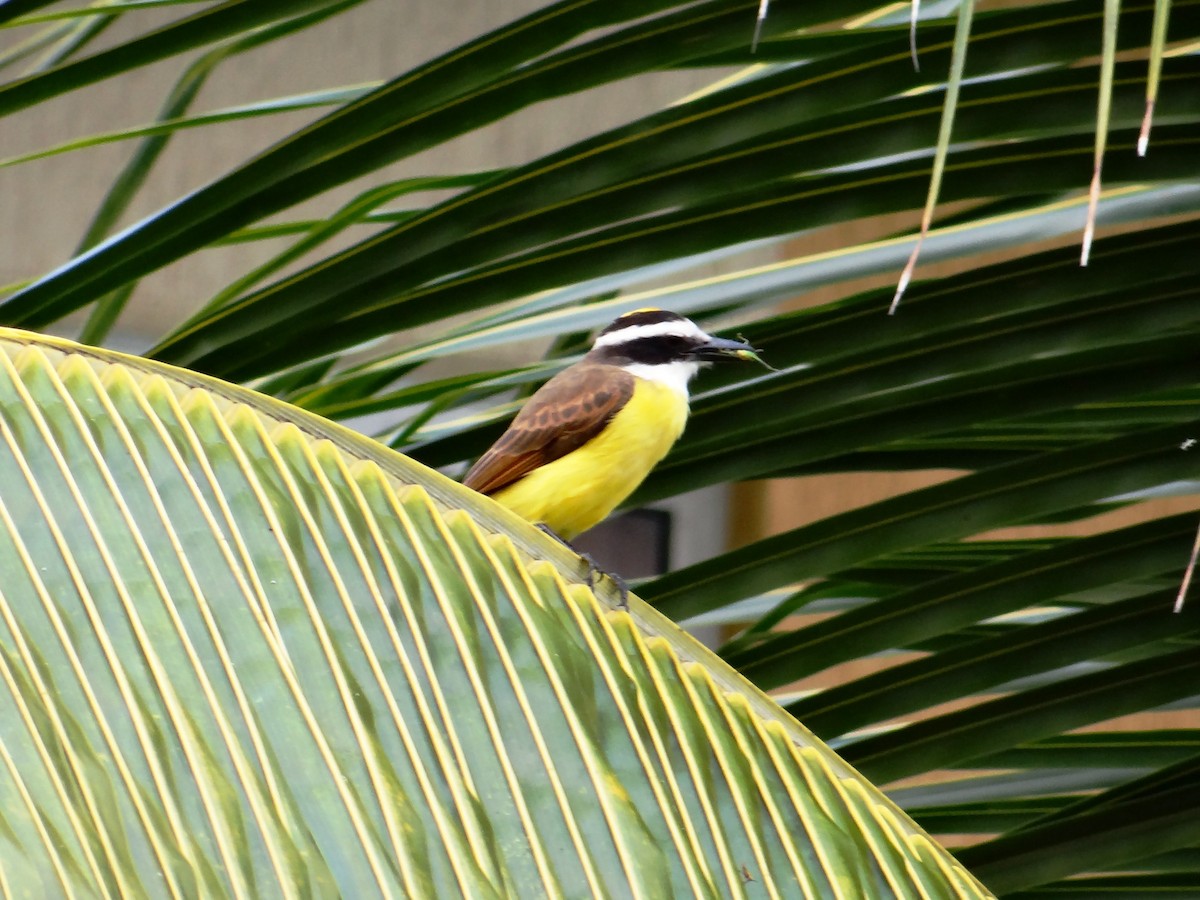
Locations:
{"points": [[593, 432]]}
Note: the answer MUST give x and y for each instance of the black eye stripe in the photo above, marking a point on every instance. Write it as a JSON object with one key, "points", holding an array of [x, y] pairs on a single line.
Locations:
{"points": [[660, 348]]}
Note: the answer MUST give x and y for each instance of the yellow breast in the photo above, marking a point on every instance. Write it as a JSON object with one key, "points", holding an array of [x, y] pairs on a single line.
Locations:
{"points": [[579, 490]]}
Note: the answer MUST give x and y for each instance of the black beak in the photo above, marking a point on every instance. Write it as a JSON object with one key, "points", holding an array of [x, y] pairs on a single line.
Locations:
{"points": [[716, 349]]}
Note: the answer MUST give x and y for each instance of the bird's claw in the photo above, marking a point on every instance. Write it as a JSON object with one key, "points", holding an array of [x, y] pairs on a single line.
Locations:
{"points": [[594, 572]]}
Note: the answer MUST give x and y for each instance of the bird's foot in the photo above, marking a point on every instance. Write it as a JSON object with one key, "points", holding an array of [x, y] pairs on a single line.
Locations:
{"points": [[594, 572]]}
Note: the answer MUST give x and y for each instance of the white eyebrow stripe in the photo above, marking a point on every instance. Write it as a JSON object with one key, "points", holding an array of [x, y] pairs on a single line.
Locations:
{"points": [[684, 328]]}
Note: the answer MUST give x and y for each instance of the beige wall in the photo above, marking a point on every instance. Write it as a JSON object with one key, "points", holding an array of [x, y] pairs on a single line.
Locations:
{"points": [[45, 205]]}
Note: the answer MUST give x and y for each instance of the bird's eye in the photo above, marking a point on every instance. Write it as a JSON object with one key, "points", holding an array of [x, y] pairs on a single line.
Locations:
{"points": [[681, 345]]}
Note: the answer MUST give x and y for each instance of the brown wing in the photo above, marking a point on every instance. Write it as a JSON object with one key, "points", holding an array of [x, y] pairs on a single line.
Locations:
{"points": [[566, 412]]}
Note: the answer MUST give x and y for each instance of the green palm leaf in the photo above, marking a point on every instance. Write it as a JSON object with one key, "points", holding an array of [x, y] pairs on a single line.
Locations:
{"points": [[248, 653]]}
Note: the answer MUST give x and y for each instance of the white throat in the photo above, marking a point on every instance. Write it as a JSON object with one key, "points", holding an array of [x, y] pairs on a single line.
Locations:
{"points": [[674, 375]]}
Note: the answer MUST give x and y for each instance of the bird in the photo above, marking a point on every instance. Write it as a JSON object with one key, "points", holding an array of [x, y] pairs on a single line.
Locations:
{"points": [[592, 433]]}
